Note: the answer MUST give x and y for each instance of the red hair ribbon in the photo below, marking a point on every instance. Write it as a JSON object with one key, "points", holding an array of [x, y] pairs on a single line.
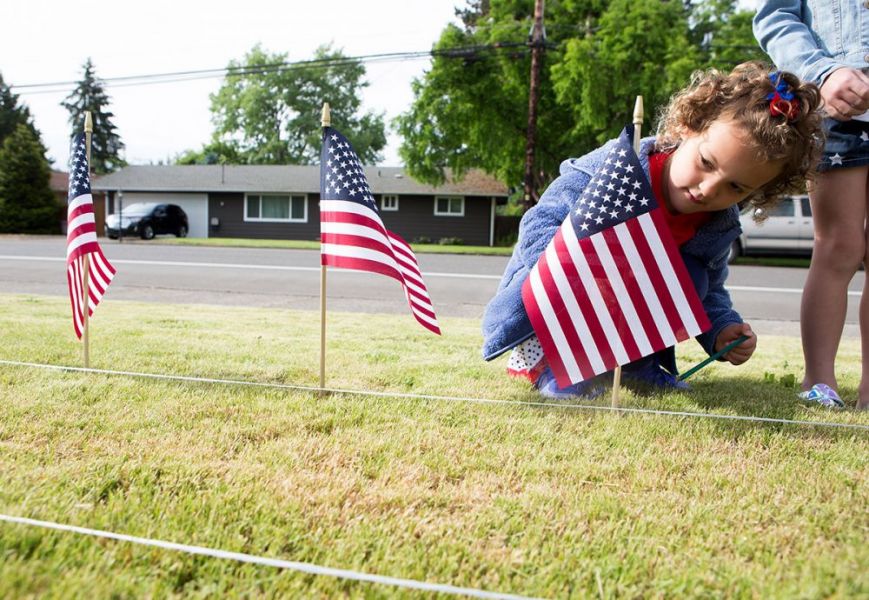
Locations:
{"points": [[787, 108], [782, 101]]}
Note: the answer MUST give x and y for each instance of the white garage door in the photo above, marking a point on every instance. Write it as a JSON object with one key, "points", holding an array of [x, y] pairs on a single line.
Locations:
{"points": [[195, 205]]}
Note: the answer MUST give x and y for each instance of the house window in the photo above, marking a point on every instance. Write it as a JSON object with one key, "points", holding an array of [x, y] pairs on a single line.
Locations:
{"points": [[449, 206], [276, 208], [389, 202]]}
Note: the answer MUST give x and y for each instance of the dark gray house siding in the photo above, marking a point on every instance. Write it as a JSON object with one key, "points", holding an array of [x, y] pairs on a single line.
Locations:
{"points": [[228, 209], [416, 219]]}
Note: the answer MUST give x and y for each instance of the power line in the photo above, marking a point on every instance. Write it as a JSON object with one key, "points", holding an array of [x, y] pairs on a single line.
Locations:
{"points": [[461, 52]]}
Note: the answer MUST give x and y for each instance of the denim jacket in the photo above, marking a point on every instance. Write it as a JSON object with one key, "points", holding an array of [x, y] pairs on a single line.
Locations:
{"points": [[505, 322], [813, 38]]}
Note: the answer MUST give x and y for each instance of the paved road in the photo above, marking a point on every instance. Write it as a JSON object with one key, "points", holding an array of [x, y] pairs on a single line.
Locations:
{"points": [[459, 285]]}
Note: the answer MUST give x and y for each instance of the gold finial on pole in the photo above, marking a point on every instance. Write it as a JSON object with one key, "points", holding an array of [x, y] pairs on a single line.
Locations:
{"points": [[638, 122], [326, 117]]}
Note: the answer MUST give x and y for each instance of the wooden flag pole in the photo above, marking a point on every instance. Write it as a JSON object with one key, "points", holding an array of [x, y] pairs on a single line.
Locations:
{"points": [[325, 121], [86, 266], [638, 125]]}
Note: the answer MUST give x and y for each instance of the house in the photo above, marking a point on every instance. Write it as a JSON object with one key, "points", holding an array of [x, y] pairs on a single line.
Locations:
{"points": [[281, 202]]}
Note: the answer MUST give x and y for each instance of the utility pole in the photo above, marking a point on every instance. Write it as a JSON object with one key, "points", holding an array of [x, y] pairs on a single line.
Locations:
{"points": [[537, 41]]}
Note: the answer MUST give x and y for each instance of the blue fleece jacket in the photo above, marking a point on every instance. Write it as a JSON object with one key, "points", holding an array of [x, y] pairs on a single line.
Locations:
{"points": [[505, 322]]}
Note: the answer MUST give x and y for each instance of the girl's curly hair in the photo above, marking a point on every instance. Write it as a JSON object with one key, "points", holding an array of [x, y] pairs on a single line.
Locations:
{"points": [[743, 97]]}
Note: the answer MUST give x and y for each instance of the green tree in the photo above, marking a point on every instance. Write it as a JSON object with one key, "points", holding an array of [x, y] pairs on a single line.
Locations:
{"points": [[639, 47], [268, 111], [724, 34], [106, 144], [27, 204], [11, 113], [470, 109], [215, 153]]}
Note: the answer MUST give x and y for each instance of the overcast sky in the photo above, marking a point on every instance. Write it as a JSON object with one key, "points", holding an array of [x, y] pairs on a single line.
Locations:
{"points": [[48, 41]]}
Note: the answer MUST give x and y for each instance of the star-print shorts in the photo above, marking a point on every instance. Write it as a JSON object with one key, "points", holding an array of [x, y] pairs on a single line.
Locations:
{"points": [[847, 144]]}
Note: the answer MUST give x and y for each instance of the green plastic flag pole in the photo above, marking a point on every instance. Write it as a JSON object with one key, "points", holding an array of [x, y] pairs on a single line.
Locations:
{"points": [[715, 356]]}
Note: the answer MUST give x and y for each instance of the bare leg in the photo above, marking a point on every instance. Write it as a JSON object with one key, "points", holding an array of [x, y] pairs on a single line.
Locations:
{"points": [[863, 390], [839, 211]]}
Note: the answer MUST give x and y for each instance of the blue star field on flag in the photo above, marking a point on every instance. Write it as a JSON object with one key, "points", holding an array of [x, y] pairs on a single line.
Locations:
{"points": [[342, 176], [617, 192], [79, 181]]}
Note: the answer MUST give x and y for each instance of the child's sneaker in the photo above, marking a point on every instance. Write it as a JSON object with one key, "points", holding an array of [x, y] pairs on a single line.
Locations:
{"points": [[548, 388], [646, 375], [824, 395]]}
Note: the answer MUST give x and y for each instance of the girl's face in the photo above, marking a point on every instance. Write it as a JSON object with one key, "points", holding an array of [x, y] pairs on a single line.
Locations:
{"points": [[714, 170]]}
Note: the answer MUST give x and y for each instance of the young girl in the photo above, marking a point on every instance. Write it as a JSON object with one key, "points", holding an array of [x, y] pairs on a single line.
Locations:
{"points": [[750, 135]]}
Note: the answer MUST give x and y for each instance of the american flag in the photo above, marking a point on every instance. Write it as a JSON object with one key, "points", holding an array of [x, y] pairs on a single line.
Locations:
{"points": [[353, 235], [81, 239], [610, 287]]}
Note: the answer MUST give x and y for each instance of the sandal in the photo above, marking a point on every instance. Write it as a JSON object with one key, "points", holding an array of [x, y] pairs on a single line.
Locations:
{"points": [[824, 395]]}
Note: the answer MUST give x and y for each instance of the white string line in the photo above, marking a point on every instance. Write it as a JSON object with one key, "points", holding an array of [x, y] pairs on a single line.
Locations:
{"points": [[544, 404], [269, 562]]}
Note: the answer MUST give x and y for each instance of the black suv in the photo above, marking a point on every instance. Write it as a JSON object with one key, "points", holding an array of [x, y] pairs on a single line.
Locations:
{"points": [[147, 219]]}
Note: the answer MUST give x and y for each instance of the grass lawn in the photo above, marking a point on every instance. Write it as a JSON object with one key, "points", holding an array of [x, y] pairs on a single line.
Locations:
{"points": [[517, 498]]}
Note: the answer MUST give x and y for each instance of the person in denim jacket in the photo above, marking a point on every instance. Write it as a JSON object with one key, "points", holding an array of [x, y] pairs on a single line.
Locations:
{"points": [[724, 139], [826, 42]]}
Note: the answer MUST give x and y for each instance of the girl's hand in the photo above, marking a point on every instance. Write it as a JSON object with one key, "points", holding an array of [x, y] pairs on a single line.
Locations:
{"points": [[845, 93], [743, 351]]}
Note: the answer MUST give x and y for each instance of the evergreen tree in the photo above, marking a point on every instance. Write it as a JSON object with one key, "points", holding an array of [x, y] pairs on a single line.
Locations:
{"points": [[90, 95], [11, 114], [27, 204]]}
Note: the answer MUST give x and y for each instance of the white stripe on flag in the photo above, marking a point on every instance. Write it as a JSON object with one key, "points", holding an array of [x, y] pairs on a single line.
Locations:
{"points": [[78, 201], [419, 290], [573, 311], [552, 324], [424, 317], [407, 262], [648, 290], [411, 276], [345, 206], [629, 312], [420, 305], [354, 229], [587, 278], [359, 252], [670, 277], [98, 283], [82, 219], [80, 240]]}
